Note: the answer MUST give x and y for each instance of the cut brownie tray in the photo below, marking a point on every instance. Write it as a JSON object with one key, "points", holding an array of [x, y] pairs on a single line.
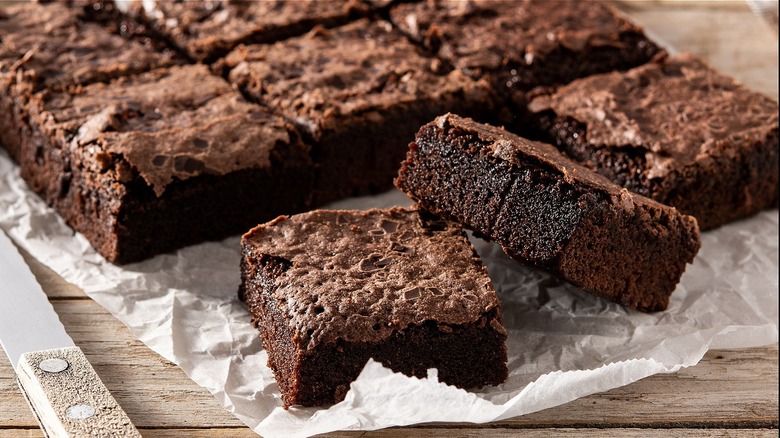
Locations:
{"points": [[259, 108], [189, 136]]}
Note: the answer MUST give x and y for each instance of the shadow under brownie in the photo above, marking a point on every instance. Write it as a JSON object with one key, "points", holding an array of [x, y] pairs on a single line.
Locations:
{"points": [[330, 289], [547, 211], [676, 131]]}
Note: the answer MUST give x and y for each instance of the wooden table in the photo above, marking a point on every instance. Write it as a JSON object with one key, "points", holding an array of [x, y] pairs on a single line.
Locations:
{"points": [[730, 393]]}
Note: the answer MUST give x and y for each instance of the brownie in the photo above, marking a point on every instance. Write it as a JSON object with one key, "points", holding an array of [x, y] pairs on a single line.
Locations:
{"points": [[547, 211], [206, 30], [330, 289], [358, 93], [147, 164], [676, 131], [522, 44], [111, 15], [47, 47]]}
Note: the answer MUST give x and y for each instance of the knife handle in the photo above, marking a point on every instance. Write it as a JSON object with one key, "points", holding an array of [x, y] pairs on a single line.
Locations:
{"points": [[68, 398]]}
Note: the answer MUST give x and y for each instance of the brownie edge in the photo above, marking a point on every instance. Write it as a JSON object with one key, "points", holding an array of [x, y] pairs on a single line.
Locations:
{"points": [[674, 130], [549, 212], [330, 289]]}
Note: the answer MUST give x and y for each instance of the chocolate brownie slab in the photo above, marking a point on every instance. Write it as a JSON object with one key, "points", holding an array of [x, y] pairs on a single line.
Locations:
{"points": [[548, 211], [206, 30], [359, 93], [522, 44], [330, 289], [676, 131], [47, 47], [128, 162]]}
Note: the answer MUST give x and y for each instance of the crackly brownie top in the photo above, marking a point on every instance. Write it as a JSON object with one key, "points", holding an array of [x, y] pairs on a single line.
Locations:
{"points": [[360, 275], [204, 27], [490, 34], [170, 123], [361, 69], [51, 45], [499, 144], [678, 111]]}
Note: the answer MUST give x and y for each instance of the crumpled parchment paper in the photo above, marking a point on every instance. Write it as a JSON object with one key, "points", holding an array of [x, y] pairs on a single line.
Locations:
{"points": [[563, 343]]}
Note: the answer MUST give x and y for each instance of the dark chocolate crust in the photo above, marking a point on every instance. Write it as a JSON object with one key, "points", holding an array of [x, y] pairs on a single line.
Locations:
{"points": [[52, 49], [550, 212], [48, 47], [330, 289], [126, 163], [358, 93], [207, 30], [676, 131], [523, 44]]}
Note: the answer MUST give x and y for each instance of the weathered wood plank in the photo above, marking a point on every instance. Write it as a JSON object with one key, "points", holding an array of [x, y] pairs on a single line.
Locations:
{"points": [[153, 391], [729, 388], [20, 433], [737, 42]]}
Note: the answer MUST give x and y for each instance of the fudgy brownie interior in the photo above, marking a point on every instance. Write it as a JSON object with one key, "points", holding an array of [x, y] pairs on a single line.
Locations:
{"points": [[548, 211]]}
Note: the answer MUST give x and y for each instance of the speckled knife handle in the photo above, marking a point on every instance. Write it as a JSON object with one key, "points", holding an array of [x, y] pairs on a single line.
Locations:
{"points": [[68, 397]]}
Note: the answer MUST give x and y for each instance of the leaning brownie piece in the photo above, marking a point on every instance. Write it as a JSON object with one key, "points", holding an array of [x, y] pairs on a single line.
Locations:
{"points": [[550, 212], [47, 47], [331, 289], [206, 30], [151, 163], [522, 44], [359, 93], [676, 131]]}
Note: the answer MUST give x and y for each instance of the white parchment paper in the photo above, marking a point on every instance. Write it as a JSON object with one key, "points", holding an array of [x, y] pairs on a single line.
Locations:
{"points": [[563, 344]]}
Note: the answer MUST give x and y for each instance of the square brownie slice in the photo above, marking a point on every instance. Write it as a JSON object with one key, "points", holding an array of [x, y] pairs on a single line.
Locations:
{"points": [[47, 47], [523, 44], [358, 93], [676, 131], [150, 163], [330, 289], [207, 30], [547, 211]]}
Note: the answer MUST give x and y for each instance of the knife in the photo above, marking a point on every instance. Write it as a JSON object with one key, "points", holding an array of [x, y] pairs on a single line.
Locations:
{"points": [[63, 390]]}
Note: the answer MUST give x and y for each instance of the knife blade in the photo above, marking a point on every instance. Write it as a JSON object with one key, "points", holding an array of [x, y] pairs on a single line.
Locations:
{"points": [[63, 390]]}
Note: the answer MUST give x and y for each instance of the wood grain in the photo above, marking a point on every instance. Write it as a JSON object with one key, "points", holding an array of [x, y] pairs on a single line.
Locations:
{"points": [[737, 41], [58, 396], [728, 388]]}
